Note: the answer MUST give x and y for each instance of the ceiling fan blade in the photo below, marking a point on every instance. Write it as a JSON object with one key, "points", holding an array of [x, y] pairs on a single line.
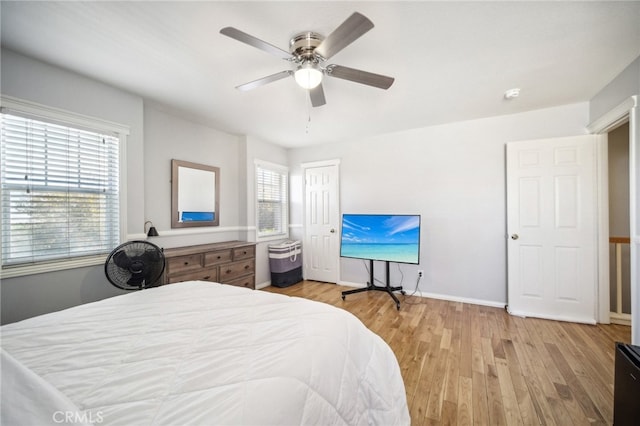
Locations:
{"points": [[317, 96], [264, 80], [362, 77], [256, 42], [348, 32]]}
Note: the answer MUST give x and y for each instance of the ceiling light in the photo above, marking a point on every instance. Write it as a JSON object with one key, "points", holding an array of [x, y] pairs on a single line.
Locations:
{"points": [[308, 75]]}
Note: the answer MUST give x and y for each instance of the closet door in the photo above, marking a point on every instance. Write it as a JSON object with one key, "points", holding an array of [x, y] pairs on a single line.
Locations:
{"points": [[321, 251], [552, 228]]}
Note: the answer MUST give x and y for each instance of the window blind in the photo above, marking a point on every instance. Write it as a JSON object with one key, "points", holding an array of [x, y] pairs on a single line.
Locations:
{"points": [[272, 204], [60, 191]]}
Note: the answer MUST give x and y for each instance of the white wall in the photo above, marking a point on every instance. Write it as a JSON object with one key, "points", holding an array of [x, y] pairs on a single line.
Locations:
{"points": [[626, 84], [168, 137], [454, 176], [258, 149], [31, 80]]}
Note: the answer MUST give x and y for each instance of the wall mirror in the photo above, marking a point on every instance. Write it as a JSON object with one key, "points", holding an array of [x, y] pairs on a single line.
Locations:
{"points": [[195, 194]]}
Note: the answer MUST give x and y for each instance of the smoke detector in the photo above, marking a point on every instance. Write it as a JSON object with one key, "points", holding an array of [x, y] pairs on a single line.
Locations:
{"points": [[512, 93]]}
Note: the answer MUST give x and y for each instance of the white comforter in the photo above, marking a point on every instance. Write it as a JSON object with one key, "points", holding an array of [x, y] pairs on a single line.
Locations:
{"points": [[199, 353]]}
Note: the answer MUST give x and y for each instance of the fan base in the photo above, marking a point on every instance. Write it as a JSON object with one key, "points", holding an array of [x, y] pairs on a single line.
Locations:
{"points": [[304, 44]]}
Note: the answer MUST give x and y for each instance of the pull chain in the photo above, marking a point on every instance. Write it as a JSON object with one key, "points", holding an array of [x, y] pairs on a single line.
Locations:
{"points": [[309, 114]]}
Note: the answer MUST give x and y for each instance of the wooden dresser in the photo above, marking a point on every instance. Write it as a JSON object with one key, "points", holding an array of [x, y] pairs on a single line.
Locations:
{"points": [[230, 262]]}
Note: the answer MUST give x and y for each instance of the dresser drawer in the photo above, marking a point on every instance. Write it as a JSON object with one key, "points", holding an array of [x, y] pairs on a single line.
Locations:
{"points": [[247, 281], [207, 274], [180, 264], [217, 257], [240, 253], [234, 270]]}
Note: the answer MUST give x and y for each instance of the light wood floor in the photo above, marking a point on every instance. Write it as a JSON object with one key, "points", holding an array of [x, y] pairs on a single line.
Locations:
{"points": [[469, 364]]}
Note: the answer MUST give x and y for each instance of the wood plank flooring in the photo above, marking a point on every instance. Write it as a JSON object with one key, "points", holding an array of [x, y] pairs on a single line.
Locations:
{"points": [[468, 364]]}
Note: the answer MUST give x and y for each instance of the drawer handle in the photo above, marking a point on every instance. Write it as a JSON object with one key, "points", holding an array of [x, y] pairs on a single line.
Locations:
{"points": [[228, 271], [219, 257], [186, 263], [244, 252], [246, 266], [207, 277]]}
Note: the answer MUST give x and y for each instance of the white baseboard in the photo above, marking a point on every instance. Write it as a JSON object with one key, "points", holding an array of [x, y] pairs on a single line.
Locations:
{"points": [[621, 319], [523, 314], [350, 284], [263, 285], [447, 297]]}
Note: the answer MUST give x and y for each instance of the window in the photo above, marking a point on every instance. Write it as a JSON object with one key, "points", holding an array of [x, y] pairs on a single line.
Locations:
{"points": [[60, 192], [272, 205]]}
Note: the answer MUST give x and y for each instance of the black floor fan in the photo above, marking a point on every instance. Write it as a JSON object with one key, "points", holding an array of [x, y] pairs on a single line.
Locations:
{"points": [[135, 265]]}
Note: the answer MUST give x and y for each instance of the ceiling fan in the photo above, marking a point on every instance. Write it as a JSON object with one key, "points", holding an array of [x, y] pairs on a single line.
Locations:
{"points": [[308, 51]]}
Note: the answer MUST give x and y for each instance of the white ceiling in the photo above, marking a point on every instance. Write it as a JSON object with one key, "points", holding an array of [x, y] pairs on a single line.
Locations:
{"points": [[452, 61]]}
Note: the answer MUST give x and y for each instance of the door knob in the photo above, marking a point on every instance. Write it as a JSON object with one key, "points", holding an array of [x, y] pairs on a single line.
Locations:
{"points": [[333, 231], [514, 236]]}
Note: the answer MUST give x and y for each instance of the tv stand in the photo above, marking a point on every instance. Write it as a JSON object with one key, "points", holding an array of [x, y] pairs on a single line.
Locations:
{"points": [[372, 287]]}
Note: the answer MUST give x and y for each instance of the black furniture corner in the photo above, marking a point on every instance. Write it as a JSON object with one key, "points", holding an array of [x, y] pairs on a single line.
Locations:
{"points": [[626, 409], [372, 287]]}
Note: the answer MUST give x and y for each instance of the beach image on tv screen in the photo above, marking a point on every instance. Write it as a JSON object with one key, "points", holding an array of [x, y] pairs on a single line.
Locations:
{"points": [[393, 238]]}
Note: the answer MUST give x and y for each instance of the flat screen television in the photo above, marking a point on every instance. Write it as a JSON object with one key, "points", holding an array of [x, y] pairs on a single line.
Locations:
{"points": [[384, 237]]}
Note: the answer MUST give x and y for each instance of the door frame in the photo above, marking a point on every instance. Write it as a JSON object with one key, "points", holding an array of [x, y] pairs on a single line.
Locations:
{"points": [[627, 110], [310, 165]]}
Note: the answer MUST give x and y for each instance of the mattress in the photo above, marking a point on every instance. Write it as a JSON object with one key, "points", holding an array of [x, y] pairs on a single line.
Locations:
{"points": [[199, 353]]}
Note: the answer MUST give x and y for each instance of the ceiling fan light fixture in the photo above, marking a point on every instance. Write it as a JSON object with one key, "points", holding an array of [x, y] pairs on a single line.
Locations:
{"points": [[308, 76]]}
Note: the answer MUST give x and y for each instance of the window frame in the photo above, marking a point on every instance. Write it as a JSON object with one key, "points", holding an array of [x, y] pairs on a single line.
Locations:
{"points": [[282, 170], [27, 109]]}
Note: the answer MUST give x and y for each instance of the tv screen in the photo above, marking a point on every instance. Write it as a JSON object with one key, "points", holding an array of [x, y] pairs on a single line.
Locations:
{"points": [[392, 238]]}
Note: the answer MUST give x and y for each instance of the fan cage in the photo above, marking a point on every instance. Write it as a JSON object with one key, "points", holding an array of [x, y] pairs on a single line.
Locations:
{"points": [[135, 265]]}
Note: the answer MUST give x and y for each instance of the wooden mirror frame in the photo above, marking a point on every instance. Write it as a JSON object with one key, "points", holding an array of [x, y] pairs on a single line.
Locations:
{"points": [[176, 165]]}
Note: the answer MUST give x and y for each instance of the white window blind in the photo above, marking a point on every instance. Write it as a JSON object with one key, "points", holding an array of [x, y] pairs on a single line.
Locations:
{"points": [[60, 191], [272, 203]]}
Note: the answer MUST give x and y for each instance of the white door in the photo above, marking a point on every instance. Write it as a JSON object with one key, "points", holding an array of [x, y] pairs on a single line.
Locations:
{"points": [[322, 215], [552, 228]]}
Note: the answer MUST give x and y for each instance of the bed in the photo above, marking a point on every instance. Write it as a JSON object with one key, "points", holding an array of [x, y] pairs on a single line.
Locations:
{"points": [[199, 353]]}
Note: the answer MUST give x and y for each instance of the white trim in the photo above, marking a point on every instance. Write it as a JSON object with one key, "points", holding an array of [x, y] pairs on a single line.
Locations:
{"points": [[634, 212], [254, 229], [609, 121], [276, 168], [263, 285], [323, 163], [269, 165], [41, 268], [123, 186], [622, 319], [614, 117], [437, 296], [522, 314], [190, 231], [279, 237], [51, 113], [602, 296]]}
